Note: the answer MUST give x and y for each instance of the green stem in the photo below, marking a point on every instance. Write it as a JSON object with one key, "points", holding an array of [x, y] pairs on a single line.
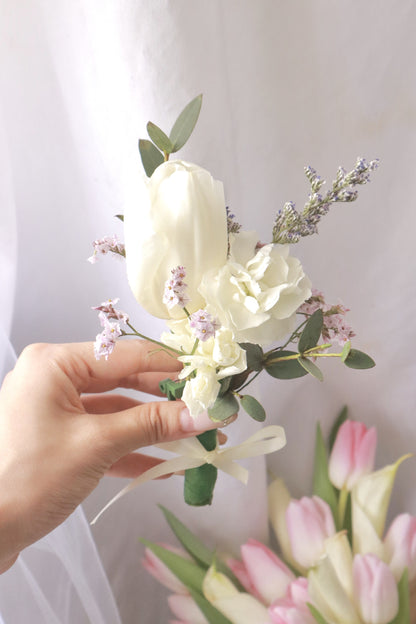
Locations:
{"points": [[249, 381], [139, 335], [342, 505]]}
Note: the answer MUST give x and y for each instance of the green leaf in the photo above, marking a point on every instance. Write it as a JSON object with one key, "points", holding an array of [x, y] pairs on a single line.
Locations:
{"points": [[189, 541], [286, 369], [225, 385], [150, 155], [159, 138], [211, 613], [185, 123], [318, 616], [346, 350], [322, 486], [311, 368], [197, 549], [191, 574], [253, 408], [359, 359], [311, 332], [224, 407], [120, 216], [403, 615], [342, 417], [254, 354]]}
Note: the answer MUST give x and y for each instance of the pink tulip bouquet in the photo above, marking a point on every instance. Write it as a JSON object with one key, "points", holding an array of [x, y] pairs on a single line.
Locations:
{"points": [[234, 306], [336, 565]]}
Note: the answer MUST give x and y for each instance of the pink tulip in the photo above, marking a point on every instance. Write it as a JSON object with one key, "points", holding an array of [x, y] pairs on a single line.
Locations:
{"points": [[309, 523], [375, 590], [186, 609], [261, 573], [292, 609], [400, 545], [352, 454], [161, 572]]}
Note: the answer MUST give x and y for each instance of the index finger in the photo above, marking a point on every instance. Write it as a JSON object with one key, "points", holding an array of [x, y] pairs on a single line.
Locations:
{"points": [[129, 358]]}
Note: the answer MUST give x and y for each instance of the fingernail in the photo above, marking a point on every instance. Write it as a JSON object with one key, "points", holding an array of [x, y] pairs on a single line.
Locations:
{"points": [[197, 423]]}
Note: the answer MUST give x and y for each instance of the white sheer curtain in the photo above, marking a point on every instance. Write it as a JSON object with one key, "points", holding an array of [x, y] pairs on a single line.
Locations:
{"points": [[285, 84]]}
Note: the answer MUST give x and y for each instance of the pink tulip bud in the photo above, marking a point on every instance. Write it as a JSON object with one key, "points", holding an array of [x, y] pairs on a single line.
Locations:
{"points": [[262, 573], [186, 609], [352, 454], [161, 572], [293, 609], [375, 590], [309, 523], [400, 546]]}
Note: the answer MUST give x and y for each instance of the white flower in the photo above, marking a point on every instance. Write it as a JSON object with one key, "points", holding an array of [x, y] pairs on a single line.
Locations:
{"points": [[201, 391], [257, 292], [179, 220]]}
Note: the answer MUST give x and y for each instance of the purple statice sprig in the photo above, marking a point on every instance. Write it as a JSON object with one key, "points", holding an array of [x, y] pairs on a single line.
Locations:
{"points": [[108, 244], [203, 325], [107, 308], [105, 341], [335, 328], [175, 289], [233, 227], [290, 225]]}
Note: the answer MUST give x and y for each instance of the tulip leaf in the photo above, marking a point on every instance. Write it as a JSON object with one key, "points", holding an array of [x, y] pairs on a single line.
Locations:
{"points": [[403, 614], [284, 369], [197, 549], [253, 408], [150, 155], [159, 138], [254, 354], [318, 616], [322, 486], [212, 615], [311, 332], [224, 407], [311, 368], [341, 418], [188, 572], [359, 359], [185, 123]]}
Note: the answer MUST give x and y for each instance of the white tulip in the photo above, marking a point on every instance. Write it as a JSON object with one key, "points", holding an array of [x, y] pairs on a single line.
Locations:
{"points": [[179, 220]]}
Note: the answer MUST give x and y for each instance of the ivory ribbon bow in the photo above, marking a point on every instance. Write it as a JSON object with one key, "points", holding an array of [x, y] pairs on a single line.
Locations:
{"points": [[192, 454]]}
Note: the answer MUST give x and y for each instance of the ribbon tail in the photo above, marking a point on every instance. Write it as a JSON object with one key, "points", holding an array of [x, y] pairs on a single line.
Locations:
{"points": [[167, 467], [234, 470]]}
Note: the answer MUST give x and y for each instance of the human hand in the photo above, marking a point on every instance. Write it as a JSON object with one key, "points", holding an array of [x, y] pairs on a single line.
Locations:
{"points": [[57, 442]]}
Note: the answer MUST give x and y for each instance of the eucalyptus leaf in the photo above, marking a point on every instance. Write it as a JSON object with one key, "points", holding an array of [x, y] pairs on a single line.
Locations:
{"points": [[254, 354], [224, 407], [346, 351], [150, 155], [316, 614], [212, 614], [253, 408], [311, 332], [322, 486], [311, 368], [185, 123], [359, 359], [286, 369], [159, 138], [188, 572], [225, 385], [342, 417], [403, 615]]}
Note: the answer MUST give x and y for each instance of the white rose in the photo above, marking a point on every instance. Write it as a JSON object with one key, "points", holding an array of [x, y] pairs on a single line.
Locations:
{"points": [[201, 391], [257, 292], [180, 220]]}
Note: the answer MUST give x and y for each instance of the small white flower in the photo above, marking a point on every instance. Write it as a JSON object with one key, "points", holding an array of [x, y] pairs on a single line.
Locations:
{"points": [[201, 391]]}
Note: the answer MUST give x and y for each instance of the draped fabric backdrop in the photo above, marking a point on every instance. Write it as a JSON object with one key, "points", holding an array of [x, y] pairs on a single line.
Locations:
{"points": [[285, 84]]}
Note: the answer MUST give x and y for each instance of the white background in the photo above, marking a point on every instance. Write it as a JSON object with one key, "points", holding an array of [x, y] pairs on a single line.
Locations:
{"points": [[285, 84]]}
